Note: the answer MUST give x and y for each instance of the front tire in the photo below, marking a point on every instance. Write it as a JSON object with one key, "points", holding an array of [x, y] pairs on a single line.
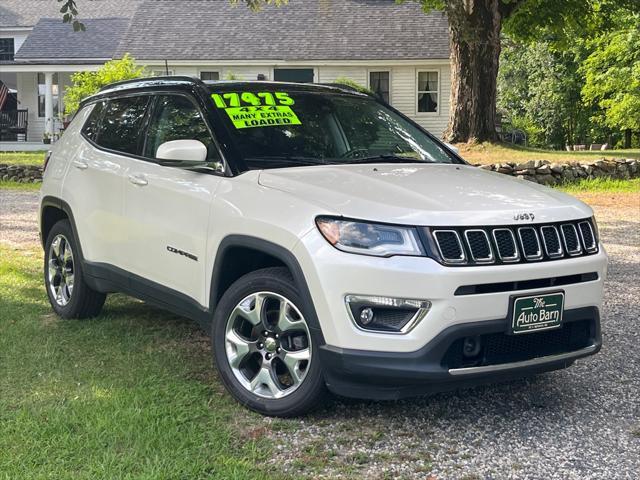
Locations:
{"points": [[69, 295], [265, 352]]}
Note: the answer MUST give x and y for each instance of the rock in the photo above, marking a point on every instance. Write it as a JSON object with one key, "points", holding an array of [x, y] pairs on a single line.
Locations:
{"points": [[557, 168], [525, 166], [486, 167], [544, 170], [546, 179], [505, 170]]}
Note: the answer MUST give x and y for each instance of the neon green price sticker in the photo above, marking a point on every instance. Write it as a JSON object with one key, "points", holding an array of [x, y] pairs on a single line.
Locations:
{"points": [[260, 109], [262, 116]]}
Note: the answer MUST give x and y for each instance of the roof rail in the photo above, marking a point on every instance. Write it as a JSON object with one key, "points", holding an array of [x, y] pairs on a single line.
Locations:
{"points": [[154, 80]]}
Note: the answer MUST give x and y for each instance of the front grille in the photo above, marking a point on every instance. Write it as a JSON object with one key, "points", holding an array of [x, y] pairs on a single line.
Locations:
{"points": [[511, 244], [499, 348]]}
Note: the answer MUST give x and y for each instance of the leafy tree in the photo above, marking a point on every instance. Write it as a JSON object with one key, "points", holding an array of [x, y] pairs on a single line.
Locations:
{"points": [[539, 92], [353, 84], [88, 83], [612, 76]]}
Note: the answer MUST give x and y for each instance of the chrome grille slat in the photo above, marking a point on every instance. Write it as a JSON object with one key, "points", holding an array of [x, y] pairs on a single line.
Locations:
{"points": [[450, 252], [505, 242], [530, 243], [479, 246], [587, 236], [513, 244], [551, 241], [570, 237]]}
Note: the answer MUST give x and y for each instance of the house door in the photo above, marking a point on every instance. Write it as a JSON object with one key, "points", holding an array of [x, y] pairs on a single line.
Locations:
{"points": [[299, 75]]}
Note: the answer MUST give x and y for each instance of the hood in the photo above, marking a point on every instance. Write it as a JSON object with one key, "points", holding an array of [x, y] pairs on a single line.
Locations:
{"points": [[430, 194]]}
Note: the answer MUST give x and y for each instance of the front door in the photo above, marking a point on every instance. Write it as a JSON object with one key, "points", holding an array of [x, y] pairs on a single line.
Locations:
{"points": [[168, 207], [298, 75]]}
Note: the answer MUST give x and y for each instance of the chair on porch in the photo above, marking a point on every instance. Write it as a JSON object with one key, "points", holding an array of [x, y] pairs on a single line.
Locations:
{"points": [[14, 123]]}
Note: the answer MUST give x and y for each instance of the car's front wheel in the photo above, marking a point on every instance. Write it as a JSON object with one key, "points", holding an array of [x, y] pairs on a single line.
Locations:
{"points": [[68, 293], [264, 350]]}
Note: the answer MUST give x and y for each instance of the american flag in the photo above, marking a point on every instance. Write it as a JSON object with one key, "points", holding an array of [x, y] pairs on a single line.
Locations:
{"points": [[4, 94]]}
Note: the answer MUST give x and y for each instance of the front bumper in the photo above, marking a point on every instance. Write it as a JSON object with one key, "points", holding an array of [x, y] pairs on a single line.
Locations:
{"points": [[438, 366]]}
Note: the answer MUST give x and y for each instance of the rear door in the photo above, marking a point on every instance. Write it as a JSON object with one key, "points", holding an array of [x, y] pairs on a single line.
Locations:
{"points": [[167, 208], [94, 184]]}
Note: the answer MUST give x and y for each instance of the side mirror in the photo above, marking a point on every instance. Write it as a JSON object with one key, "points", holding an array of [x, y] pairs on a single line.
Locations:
{"points": [[182, 151], [452, 148]]}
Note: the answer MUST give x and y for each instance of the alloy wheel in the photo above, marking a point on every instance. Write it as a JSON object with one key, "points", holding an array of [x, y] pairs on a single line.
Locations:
{"points": [[61, 270], [268, 345]]}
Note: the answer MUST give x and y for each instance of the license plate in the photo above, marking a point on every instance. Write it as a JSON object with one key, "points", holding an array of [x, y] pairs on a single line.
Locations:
{"points": [[537, 312]]}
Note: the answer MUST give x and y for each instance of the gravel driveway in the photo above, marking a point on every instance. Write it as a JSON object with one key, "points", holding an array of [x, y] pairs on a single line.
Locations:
{"points": [[579, 423]]}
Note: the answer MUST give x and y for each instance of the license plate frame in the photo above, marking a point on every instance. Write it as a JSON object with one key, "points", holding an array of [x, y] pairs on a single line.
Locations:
{"points": [[535, 305]]}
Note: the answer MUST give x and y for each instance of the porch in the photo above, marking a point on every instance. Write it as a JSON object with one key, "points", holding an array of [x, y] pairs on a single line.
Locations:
{"points": [[39, 112]]}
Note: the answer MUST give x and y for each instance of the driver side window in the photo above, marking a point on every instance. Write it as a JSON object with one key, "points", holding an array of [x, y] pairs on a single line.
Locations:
{"points": [[175, 117]]}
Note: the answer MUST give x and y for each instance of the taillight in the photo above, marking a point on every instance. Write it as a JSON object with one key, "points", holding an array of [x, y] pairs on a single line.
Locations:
{"points": [[47, 156]]}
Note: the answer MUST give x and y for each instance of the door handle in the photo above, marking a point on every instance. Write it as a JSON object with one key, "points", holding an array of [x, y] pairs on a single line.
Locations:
{"points": [[80, 164], [138, 180]]}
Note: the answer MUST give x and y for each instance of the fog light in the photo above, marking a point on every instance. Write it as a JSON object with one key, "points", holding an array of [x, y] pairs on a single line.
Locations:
{"points": [[386, 314], [366, 316]]}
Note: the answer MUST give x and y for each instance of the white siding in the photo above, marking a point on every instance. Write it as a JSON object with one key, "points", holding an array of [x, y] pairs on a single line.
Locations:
{"points": [[403, 87]]}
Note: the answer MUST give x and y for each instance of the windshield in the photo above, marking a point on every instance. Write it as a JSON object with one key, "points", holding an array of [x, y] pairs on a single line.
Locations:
{"points": [[276, 128]]}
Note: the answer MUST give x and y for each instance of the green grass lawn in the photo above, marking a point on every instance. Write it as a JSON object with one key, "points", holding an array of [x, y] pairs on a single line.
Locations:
{"points": [[602, 185], [503, 152], [22, 158], [130, 394]]}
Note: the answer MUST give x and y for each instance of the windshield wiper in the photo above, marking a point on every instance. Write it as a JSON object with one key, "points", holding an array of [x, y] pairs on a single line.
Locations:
{"points": [[287, 159], [384, 159]]}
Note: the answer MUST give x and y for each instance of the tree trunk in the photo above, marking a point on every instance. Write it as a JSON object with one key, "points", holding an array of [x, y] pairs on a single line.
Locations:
{"points": [[627, 138], [474, 31]]}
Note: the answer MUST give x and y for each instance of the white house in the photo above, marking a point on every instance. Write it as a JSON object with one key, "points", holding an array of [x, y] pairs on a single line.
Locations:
{"points": [[396, 50]]}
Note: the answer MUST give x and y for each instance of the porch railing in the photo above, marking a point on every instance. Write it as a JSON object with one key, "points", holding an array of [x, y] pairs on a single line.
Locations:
{"points": [[13, 125]]}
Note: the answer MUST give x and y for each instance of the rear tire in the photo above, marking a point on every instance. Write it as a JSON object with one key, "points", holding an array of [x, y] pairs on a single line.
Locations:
{"points": [[69, 295], [265, 352]]}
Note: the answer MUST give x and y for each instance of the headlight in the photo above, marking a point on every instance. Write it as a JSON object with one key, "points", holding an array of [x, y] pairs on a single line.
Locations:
{"points": [[370, 238]]}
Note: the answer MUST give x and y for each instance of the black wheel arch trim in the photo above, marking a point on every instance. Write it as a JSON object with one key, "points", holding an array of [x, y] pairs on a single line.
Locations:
{"points": [[277, 251]]}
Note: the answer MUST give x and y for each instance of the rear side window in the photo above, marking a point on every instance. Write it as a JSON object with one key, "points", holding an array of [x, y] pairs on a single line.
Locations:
{"points": [[90, 129], [121, 125]]}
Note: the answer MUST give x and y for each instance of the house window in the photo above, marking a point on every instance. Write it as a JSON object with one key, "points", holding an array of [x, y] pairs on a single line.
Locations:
{"points": [[6, 49], [209, 75], [379, 84], [41, 93], [428, 88], [299, 75]]}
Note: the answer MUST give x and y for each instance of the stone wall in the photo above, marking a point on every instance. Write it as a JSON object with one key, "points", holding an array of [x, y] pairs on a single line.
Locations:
{"points": [[539, 171], [21, 173], [547, 173]]}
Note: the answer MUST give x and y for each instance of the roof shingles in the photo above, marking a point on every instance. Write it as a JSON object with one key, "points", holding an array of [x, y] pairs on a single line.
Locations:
{"points": [[52, 40], [299, 30]]}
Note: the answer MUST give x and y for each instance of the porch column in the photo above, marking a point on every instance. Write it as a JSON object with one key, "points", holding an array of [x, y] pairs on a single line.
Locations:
{"points": [[48, 102]]}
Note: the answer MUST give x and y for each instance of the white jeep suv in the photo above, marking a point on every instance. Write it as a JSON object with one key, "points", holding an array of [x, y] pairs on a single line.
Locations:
{"points": [[323, 239]]}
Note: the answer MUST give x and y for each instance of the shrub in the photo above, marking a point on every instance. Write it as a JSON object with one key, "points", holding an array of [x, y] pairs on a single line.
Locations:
{"points": [[88, 83]]}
